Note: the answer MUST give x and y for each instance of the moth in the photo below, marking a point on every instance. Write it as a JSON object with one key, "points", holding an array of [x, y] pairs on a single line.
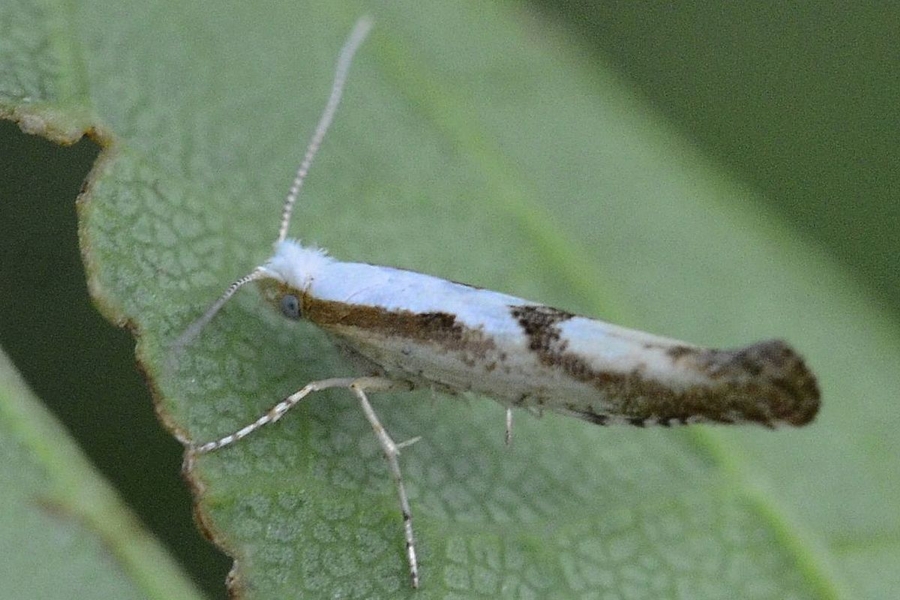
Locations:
{"points": [[412, 330]]}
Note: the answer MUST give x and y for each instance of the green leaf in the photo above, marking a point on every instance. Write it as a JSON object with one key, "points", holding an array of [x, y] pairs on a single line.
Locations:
{"points": [[63, 531], [477, 144]]}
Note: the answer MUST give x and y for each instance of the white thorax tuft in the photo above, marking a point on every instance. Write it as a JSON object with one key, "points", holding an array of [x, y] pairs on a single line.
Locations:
{"points": [[295, 265]]}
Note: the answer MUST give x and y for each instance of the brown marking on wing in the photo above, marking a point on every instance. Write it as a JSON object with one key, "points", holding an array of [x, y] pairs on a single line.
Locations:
{"points": [[766, 383], [439, 329]]}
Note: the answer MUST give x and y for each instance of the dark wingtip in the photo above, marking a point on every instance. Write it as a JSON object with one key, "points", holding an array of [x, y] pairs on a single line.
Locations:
{"points": [[789, 387]]}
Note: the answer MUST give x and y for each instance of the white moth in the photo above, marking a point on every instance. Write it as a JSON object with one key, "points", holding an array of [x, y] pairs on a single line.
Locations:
{"points": [[417, 331]]}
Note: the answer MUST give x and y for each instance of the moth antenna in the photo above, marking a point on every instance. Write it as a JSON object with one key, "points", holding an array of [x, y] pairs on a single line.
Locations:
{"points": [[197, 326], [345, 58]]}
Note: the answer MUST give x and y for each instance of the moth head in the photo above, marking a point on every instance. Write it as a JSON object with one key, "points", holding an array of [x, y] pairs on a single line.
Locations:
{"points": [[285, 280], [288, 277], [283, 298]]}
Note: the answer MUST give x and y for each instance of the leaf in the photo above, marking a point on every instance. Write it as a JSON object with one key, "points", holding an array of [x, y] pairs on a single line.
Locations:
{"points": [[56, 507], [474, 144]]}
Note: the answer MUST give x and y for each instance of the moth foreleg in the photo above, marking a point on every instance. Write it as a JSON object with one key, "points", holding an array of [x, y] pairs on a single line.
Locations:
{"points": [[274, 413], [359, 386]]}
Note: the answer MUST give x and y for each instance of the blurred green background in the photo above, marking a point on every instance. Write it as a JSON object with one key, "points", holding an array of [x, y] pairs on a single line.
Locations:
{"points": [[797, 100]]}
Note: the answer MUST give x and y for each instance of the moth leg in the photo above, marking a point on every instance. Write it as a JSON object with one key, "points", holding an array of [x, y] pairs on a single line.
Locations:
{"points": [[274, 413], [409, 442], [508, 438], [391, 451]]}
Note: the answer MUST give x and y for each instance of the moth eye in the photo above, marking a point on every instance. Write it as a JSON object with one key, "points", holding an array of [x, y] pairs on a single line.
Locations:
{"points": [[290, 306]]}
